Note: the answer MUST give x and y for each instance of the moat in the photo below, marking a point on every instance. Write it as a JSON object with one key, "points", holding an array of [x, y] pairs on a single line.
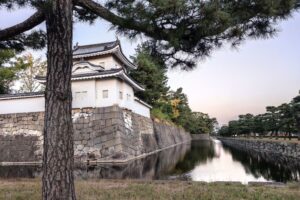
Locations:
{"points": [[207, 161]]}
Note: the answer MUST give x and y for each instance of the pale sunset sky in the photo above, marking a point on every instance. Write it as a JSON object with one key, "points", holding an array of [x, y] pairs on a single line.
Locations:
{"points": [[231, 82]]}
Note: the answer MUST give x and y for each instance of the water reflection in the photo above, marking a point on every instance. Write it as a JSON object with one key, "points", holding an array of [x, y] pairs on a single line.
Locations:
{"points": [[198, 161], [222, 167], [155, 166], [271, 167], [7, 172]]}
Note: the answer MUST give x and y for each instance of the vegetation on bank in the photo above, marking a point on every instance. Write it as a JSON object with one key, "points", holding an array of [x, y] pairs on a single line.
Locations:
{"points": [[133, 189], [168, 105], [283, 120]]}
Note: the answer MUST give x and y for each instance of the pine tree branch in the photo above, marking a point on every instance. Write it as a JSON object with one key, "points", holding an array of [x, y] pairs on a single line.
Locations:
{"points": [[26, 25], [101, 11]]}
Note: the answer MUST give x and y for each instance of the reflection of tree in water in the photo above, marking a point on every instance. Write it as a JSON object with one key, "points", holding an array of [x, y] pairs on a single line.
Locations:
{"points": [[271, 167], [175, 162], [200, 152]]}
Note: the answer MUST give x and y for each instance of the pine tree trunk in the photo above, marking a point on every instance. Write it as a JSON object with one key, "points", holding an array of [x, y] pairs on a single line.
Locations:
{"points": [[58, 159]]}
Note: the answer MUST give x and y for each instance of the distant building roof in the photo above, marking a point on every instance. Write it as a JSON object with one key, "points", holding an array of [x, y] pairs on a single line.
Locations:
{"points": [[118, 73], [21, 95], [114, 47]]}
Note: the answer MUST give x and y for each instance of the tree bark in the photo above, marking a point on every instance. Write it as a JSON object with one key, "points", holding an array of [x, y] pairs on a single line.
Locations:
{"points": [[58, 158]]}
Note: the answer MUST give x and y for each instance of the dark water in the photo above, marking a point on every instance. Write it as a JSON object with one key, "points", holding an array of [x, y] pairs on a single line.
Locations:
{"points": [[199, 161]]}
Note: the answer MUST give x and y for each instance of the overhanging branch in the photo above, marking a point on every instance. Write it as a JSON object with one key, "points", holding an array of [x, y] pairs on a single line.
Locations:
{"points": [[26, 25], [116, 20]]}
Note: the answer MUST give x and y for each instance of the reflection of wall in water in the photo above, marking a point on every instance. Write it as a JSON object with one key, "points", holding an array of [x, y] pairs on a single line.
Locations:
{"points": [[155, 166], [270, 166], [200, 152], [20, 171]]}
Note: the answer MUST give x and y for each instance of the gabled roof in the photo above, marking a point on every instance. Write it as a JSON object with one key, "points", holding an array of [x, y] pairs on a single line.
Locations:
{"points": [[91, 66], [117, 73], [91, 50]]}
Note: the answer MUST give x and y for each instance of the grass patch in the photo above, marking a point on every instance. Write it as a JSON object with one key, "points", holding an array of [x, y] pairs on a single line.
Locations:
{"points": [[150, 190]]}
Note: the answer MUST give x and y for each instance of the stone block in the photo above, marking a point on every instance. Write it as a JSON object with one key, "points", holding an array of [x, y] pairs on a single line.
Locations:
{"points": [[97, 140], [108, 122], [86, 136], [86, 150], [79, 147], [90, 143], [84, 142]]}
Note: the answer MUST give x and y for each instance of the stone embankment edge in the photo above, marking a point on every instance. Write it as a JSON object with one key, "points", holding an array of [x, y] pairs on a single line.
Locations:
{"points": [[284, 149], [124, 161]]}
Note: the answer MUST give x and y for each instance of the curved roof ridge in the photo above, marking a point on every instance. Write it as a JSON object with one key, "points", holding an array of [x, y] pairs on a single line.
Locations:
{"points": [[110, 44], [102, 49]]}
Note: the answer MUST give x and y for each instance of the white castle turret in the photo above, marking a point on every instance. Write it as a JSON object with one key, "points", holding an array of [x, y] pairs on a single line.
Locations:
{"points": [[99, 79]]}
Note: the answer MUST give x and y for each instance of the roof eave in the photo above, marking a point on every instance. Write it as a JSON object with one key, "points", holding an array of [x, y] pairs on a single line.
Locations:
{"points": [[22, 97], [117, 51], [120, 74], [142, 102]]}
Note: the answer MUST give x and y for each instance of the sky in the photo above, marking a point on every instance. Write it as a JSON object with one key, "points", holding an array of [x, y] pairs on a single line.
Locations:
{"points": [[230, 82]]}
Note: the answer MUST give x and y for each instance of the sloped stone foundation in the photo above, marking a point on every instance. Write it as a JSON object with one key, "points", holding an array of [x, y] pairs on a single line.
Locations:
{"points": [[100, 134]]}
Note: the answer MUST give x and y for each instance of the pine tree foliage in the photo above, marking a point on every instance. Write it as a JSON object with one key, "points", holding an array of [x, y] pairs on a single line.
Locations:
{"points": [[9, 70], [185, 30], [35, 40], [150, 73], [277, 120], [296, 108], [168, 105]]}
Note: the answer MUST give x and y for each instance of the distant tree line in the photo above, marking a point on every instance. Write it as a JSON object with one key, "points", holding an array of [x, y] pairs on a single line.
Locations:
{"points": [[168, 105], [283, 120]]}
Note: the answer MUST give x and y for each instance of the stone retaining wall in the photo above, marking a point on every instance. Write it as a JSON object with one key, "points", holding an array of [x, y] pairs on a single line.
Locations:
{"points": [[168, 135], [21, 137], [277, 152], [110, 133]]}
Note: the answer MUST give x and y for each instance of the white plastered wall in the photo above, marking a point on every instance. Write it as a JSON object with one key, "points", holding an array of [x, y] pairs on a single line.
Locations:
{"points": [[83, 92], [86, 93], [131, 103], [22, 105], [141, 109], [109, 62], [127, 93], [111, 86]]}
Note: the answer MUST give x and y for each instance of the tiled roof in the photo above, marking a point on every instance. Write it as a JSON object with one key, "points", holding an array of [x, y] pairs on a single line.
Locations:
{"points": [[106, 72], [93, 48], [21, 95], [119, 73]]}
